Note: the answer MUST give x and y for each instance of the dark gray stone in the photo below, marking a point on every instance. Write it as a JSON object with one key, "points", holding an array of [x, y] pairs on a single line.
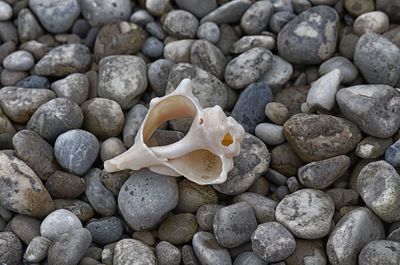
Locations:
{"points": [[208, 251], [106, 230], [256, 17], [264, 207], [157, 73], [153, 47], [133, 121], [228, 13], [65, 186], [75, 87], [168, 254], [10, 248], [249, 258], [59, 222], [34, 81], [198, 9]]}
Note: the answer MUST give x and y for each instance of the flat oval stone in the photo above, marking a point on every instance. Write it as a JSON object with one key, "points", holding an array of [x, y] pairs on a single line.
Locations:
{"points": [[209, 31], [181, 24], [199, 9], [375, 21], [347, 69], [101, 12], [65, 186], [264, 207], [178, 229], [106, 230], [25, 227], [309, 38], [227, 13], [134, 252], [270, 133], [208, 251], [10, 248], [279, 73], [37, 249], [19, 61], [256, 17], [75, 87], [317, 137], [380, 252], [59, 222], [133, 121]]}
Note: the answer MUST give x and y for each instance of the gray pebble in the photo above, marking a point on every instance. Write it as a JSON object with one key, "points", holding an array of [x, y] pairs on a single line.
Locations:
{"points": [[347, 69], [279, 20], [80, 208], [389, 7], [18, 61], [248, 42], [264, 207], [308, 252], [59, 222], [282, 5], [178, 229], [122, 78], [145, 236], [8, 32], [157, 74], [6, 48], [227, 37], [188, 256], [5, 11], [392, 154], [146, 197], [133, 252], [167, 254], [375, 21], [81, 28], [279, 73], [65, 186], [228, 13], [10, 248], [208, 31], [141, 17], [208, 251], [256, 17], [34, 81], [276, 112], [285, 161], [98, 13], [249, 258], [205, 216], [371, 147], [157, 7], [181, 24], [209, 57], [155, 29], [6, 126], [178, 51], [74, 86], [192, 196], [272, 242], [105, 230], [111, 148], [270, 133], [10, 78], [260, 186], [76, 150], [25, 227], [133, 121], [153, 47], [380, 252], [347, 45], [343, 197], [197, 8], [37, 249]]}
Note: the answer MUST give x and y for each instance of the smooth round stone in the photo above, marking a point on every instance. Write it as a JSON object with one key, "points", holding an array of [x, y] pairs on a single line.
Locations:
{"points": [[10, 248], [157, 74], [76, 150], [248, 42], [227, 37], [20, 103], [343, 197], [279, 73], [373, 108], [81, 27], [6, 48], [272, 242], [192, 196], [99, 197], [34, 81], [264, 207], [309, 38], [380, 252], [134, 252], [74, 87], [8, 32], [276, 112], [157, 7], [279, 20], [209, 57], [390, 8], [168, 254], [37, 249], [344, 249], [260, 186], [56, 17], [250, 164], [376, 21], [285, 161], [102, 12], [10, 78], [228, 13], [205, 216], [178, 229], [155, 29], [306, 213], [25, 227], [18, 61], [128, 39], [392, 154], [146, 197], [5, 11], [308, 252], [65, 186], [70, 247], [347, 69], [347, 45], [371, 147], [111, 148], [379, 185], [188, 255], [80, 208], [153, 47], [208, 31], [181, 24], [105, 230], [141, 17], [59, 222], [178, 51], [199, 9], [144, 236], [256, 18], [249, 115], [331, 136], [114, 181], [322, 174], [270, 133], [63, 60], [248, 67], [25, 192], [133, 121], [234, 224], [377, 58], [122, 78], [208, 251], [247, 258], [393, 35], [358, 7]]}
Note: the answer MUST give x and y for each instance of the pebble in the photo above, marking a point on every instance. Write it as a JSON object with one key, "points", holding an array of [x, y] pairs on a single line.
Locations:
{"points": [[157, 74], [270, 133], [134, 252], [272, 242], [80, 208], [122, 78], [65, 186], [133, 121], [70, 247], [322, 174], [331, 136], [37, 49], [209, 57], [34, 81], [76, 150], [74, 87], [380, 252], [141, 17], [373, 108], [56, 17], [105, 230], [37, 249], [358, 7], [6, 125], [10, 248], [343, 197], [59, 222], [99, 197], [20, 103], [377, 58], [208, 31], [251, 163], [371, 147], [375, 21], [228, 13], [146, 197], [18, 61], [102, 12], [157, 7], [8, 32], [25, 192], [247, 258], [155, 29], [128, 39], [307, 213], [145, 236], [208, 251], [25, 227], [279, 73], [249, 115], [178, 229], [205, 216], [192, 196], [279, 20], [248, 67], [234, 224], [260, 186], [6, 48], [349, 236], [153, 47], [308, 252], [199, 9], [188, 256], [347, 69], [227, 37], [264, 207], [248, 42], [389, 7], [80, 27], [111, 148], [392, 154], [276, 112], [181, 24], [10, 78], [178, 51], [256, 17], [5, 11], [64, 60], [168, 254]]}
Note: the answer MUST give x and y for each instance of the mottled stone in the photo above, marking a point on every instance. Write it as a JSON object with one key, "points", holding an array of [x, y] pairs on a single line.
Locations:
{"points": [[376, 21], [178, 229], [157, 74], [209, 57], [133, 121], [10, 248], [106, 230], [181, 24], [228, 13], [59, 222], [81, 209], [371, 147], [100, 12], [264, 207], [25, 227], [192, 196], [308, 252], [65, 186], [256, 18], [208, 251], [134, 252], [279, 73], [37, 249], [74, 87], [178, 51], [19, 61], [380, 252], [209, 31], [248, 42], [285, 161]]}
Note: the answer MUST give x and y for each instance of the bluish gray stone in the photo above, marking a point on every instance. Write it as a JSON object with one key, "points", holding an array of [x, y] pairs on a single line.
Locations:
{"points": [[347, 69], [153, 47], [59, 222], [279, 20], [228, 13], [19, 61], [155, 29], [392, 154], [133, 121], [34, 81], [197, 8], [76, 150], [37, 249], [106, 230], [157, 73], [380, 252], [100, 12], [264, 207], [279, 73], [270, 133], [249, 258], [10, 248], [208, 31], [181, 24], [208, 251]]}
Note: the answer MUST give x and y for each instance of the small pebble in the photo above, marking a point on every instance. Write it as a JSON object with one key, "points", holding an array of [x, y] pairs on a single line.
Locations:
{"points": [[10, 248], [131, 251], [208, 251], [74, 87], [153, 47], [178, 229], [59, 222], [167, 254], [376, 21], [264, 207], [181, 24], [64, 185], [208, 31], [157, 74], [19, 61], [105, 230], [271, 134], [111, 148], [37, 249], [99, 13], [276, 112], [371, 147], [5, 11], [192, 196]]}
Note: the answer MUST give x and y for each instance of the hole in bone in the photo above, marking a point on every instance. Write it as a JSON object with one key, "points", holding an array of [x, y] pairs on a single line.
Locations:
{"points": [[201, 121], [227, 140]]}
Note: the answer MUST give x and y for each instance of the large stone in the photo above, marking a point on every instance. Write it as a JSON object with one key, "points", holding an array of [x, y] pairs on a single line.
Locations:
{"points": [[100, 12], [380, 252], [59, 222]]}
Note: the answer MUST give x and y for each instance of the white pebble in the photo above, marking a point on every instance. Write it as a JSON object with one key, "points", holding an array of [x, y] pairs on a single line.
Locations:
{"points": [[5, 11]]}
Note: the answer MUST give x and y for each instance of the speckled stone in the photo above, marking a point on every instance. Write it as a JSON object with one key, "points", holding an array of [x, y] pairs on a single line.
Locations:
{"points": [[178, 229], [133, 121], [256, 17], [157, 74], [168, 254], [19, 61], [380, 252], [74, 86], [248, 42], [192, 196], [59, 222], [37, 249], [228, 13], [80, 208], [10, 248], [208, 251], [34, 81], [181, 24], [209, 31], [98, 13], [371, 147], [134, 252], [264, 207], [105, 230], [209, 57]]}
